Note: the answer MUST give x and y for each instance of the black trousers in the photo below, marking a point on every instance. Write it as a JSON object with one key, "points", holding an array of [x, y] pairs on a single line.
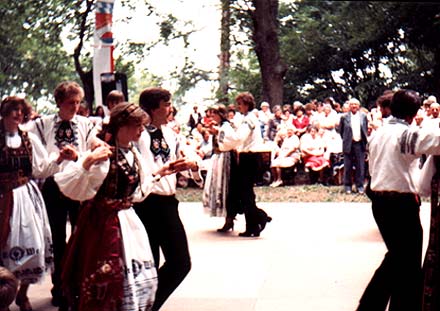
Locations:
{"points": [[355, 157], [246, 176], [399, 278], [58, 207], [161, 219]]}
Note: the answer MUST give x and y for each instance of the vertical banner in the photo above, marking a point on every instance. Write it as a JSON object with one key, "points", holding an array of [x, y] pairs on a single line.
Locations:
{"points": [[103, 45]]}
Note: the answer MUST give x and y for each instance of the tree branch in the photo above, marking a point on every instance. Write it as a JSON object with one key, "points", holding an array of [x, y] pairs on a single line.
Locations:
{"points": [[81, 35]]}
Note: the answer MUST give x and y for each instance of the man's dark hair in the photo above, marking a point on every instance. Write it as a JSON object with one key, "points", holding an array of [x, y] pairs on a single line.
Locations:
{"points": [[384, 100], [405, 103], [247, 99], [114, 97], [67, 89], [151, 97]]}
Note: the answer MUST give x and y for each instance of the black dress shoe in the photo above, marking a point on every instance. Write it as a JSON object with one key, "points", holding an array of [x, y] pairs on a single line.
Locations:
{"points": [[249, 234], [264, 222]]}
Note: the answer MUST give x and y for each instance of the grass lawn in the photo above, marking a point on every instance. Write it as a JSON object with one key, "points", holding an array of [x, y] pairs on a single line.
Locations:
{"points": [[302, 193]]}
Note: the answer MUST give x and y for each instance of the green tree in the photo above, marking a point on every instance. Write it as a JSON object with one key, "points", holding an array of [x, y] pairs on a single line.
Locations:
{"points": [[359, 39], [245, 75], [32, 60]]}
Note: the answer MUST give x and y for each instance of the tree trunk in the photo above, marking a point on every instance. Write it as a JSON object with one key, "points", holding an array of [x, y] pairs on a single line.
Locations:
{"points": [[225, 53], [89, 91], [265, 36], [85, 76]]}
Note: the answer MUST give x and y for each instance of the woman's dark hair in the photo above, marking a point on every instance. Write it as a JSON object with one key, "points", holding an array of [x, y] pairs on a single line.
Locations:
{"points": [[11, 103], [298, 109], [405, 104], [151, 97], [99, 112], [124, 114], [221, 110]]}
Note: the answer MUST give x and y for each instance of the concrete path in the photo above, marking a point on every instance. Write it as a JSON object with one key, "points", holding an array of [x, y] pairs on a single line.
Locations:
{"points": [[311, 257]]}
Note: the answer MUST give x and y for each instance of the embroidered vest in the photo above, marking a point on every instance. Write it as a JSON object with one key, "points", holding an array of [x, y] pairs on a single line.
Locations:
{"points": [[122, 179]]}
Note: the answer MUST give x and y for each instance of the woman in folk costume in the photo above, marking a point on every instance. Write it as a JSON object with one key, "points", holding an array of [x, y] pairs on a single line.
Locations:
{"points": [[108, 263], [218, 188], [429, 185], [25, 237]]}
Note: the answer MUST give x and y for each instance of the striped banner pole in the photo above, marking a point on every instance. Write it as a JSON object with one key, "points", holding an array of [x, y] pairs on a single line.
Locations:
{"points": [[103, 45]]}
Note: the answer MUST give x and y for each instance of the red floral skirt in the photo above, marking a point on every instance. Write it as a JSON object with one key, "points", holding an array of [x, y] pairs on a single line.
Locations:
{"points": [[93, 268]]}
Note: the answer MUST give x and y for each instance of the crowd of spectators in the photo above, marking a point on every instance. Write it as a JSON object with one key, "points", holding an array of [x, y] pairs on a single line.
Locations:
{"points": [[302, 137]]}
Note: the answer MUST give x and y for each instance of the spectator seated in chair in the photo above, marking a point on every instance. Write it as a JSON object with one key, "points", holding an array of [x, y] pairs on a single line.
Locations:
{"points": [[313, 154], [287, 156], [334, 154]]}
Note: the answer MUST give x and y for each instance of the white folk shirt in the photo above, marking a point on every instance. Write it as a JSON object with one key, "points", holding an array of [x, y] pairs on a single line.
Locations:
{"points": [[356, 126], [227, 137], [166, 185], [42, 166], [44, 129], [249, 134], [394, 150]]}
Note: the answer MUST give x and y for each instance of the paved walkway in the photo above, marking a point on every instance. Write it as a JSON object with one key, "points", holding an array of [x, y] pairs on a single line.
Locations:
{"points": [[311, 257]]}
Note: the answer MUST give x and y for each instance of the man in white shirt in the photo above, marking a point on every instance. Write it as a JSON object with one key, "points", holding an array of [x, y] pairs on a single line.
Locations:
{"points": [[394, 151], [159, 145], [66, 129], [353, 129], [248, 135]]}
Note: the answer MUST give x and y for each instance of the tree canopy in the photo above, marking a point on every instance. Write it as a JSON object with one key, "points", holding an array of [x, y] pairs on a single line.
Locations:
{"points": [[32, 55], [32, 59], [359, 48], [327, 48]]}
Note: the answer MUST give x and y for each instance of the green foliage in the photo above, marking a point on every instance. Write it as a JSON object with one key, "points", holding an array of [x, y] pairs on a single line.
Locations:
{"points": [[188, 76], [353, 48], [359, 38], [167, 27], [245, 75], [137, 84], [32, 60]]}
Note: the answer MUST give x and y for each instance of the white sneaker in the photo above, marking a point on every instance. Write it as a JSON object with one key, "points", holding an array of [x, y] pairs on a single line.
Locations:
{"points": [[276, 183]]}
